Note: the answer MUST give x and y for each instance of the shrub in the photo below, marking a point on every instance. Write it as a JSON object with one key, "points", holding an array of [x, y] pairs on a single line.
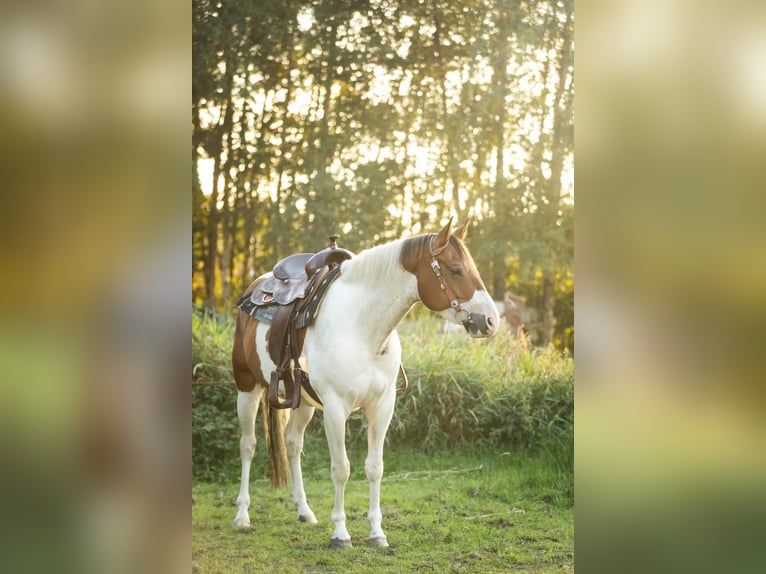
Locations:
{"points": [[493, 392], [215, 428], [215, 432], [212, 338]]}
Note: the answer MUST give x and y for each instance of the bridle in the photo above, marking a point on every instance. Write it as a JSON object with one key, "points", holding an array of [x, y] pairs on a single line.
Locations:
{"points": [[453, 301]]}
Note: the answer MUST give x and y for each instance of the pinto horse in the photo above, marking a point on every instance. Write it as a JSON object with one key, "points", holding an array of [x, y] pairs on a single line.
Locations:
{"points": [[352, 354]]}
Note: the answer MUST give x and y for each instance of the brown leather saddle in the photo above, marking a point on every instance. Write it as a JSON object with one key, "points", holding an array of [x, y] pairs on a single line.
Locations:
{"points": [[293, 276], [289, 299]]}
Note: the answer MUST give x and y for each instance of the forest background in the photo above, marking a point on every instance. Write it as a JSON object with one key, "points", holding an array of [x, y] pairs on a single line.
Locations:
{"points": [[381, 119]]}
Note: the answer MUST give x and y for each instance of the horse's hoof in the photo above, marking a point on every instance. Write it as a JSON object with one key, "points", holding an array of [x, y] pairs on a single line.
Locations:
{"points": [[309, 518], [242, 523], [338, 543], [377, 541]]}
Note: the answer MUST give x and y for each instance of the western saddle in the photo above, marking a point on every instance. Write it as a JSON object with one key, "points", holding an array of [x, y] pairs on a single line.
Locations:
{"points": [[289, 300]]}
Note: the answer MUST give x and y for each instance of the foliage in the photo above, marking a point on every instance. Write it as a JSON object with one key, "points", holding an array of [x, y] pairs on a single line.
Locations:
{"points": [[212, 339], [215, 429], [215, 432], [449, 511], [491, 394], [381, 119]]}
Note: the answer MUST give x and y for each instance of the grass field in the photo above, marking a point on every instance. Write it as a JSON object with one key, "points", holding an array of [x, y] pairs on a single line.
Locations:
{"points": [[478, 466], [461, 511]]}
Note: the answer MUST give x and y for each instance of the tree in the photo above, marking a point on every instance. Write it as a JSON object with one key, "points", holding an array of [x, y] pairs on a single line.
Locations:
{"points": [[381, 118]]}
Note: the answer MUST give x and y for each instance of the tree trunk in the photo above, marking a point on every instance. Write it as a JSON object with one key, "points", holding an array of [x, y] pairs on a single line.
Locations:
{"points": [[558, 147], [324, 222], [499, 273], [249, 243], [502, 202], [211, 257], [214, 216], [552, 187], [227, 232], [285, 114], [549, 301], [247, 214], [225, 269], [198, 198]]}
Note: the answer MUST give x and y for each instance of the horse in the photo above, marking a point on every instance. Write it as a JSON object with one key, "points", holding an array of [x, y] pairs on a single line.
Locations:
{"points": [[352, 354]]}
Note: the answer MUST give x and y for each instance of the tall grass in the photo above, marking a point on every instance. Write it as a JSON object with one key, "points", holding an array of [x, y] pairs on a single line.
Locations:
{"points": [[215, 428], [212, 338], [490, 394]]}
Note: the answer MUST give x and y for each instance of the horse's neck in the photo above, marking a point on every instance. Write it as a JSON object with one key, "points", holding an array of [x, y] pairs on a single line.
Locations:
{"points": [[377, 285]]}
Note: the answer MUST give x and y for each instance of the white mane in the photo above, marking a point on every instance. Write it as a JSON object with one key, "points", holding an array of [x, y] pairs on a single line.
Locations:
{"points": [[375, 264]]}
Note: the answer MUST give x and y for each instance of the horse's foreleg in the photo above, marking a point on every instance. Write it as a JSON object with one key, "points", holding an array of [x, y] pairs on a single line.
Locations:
{"points": [[379, 417], [299, 419], [335, 428], [247, 409]]}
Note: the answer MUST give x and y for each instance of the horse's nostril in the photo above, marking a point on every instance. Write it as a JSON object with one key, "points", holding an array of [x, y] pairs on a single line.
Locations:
{"points": [[490, 322]]}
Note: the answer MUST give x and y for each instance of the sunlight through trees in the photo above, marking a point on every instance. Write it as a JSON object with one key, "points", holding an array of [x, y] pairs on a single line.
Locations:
{"points": [[380, 119]]}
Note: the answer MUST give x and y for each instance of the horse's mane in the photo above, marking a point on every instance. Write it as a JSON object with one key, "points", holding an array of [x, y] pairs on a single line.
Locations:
{"points": [[374, 264], [379, 262]]}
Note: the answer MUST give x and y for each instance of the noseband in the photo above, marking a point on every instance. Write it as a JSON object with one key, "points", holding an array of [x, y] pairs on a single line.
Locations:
{"points": [[453, 302]]}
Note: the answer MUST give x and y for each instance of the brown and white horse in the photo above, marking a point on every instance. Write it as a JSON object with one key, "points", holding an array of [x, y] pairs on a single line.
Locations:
{"points": [[352, 354]]}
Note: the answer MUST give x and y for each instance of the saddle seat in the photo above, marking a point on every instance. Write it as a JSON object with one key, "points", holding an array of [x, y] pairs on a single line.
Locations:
{"points": [[288, 282], [291, 277], [292, 266]]}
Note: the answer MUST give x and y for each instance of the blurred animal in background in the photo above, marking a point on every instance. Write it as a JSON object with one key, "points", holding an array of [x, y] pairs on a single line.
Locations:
{"points": [[521, 320]]}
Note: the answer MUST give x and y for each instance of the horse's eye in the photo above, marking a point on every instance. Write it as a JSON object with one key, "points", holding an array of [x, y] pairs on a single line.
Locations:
{"points": [[456, 271]]}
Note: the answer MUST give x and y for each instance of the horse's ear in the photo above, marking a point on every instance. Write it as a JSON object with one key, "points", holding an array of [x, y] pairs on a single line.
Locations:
{"points": [[461, 231], [442, 238]]}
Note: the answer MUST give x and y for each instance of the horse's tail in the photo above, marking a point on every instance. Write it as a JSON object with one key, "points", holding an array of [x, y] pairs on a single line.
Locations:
{"points": [[274, 424]]}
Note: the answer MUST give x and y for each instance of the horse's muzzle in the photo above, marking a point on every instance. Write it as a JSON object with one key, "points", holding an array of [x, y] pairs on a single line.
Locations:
{"points": [[478, 324]]}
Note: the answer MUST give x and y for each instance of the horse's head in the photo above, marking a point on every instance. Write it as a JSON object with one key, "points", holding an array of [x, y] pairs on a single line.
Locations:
{"points": [[448, 281]]}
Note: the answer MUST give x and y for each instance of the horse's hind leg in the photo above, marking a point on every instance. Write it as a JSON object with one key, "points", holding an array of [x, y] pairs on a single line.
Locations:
{"points": [[299, 419], [378, 419], [247, 409]]}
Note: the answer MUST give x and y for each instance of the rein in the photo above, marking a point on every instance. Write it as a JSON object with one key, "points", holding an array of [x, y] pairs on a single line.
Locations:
{"points": [[453, 301]]}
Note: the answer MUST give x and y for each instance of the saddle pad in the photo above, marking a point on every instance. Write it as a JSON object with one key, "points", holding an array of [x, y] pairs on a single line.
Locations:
{"points": [[304, 318], [263, 313]]}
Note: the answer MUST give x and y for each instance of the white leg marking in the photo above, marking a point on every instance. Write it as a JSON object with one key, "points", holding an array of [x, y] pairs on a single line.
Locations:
{"points": [[247, 409], [299, 419], [335, 417], [378, 417]]}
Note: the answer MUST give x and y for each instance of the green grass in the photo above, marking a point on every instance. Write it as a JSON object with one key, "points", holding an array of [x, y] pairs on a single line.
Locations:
{"points": [[479, 466], [464, 511]]}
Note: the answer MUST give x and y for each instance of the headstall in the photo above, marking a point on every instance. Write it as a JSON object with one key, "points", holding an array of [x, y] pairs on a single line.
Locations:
{"points": [[453, 302]]}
